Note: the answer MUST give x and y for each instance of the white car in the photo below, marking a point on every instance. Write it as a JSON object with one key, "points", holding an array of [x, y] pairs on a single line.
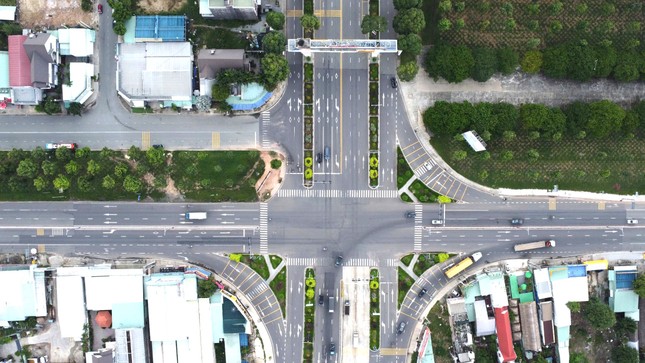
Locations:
{"points": [[437, 222], [632, 221]]}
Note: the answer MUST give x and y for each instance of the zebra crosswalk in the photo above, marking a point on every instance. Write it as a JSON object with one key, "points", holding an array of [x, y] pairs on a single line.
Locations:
{"points": [[302, 261], [418, 227], [423, 168], [358, 262], [336, 193], [266, 119], [58, 232], [264, 235]]}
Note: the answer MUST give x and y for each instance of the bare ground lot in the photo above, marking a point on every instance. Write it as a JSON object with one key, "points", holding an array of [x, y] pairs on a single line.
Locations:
{"points": [[54, 13], [158, 6]]}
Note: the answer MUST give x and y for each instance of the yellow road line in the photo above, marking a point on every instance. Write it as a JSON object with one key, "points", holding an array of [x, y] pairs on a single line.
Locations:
{"points": [[40, 232], [340, 104], [294, 13], [215, 140], [601, 205], [464, 193], [328, 13], [145, 140], [451, 184], [552, 203], [417, 158], [403, 148], [430, 176], [393, 351], [41, 248]]}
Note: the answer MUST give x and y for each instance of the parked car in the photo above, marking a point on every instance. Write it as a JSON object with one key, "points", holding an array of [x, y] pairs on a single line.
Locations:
{"points": [[100, 8], [422, 292], [393, 82]]}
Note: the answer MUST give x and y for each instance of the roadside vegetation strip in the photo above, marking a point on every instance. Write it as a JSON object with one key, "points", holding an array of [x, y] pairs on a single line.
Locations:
{"points": [[420, 191], [596, 147], [275, 260], [308, 129], [255, 262], [309, 318], [423, 262], [405, 283], [278, 286], [375, 310], [438, 321], [373, 125]]}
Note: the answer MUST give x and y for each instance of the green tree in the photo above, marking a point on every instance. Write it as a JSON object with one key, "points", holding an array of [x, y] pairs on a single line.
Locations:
{"points": [[83, 184], [221, 91], [49, 167], [445, 6], [309, 22], [274, 42], [409, 21], [93, 167], [206, 288], [532, 61], [485, 64], [454, 64], [533, 116], [506, 116], [410, 43], [72, 167], [120, 170], [275, 20], [605, 62], [407, 71], [132, 184], [627, 67], [624, 328], [556, 61], [406, 4], [574, 306], [605, 118], [598, 314], [27, 168], [639, 285], [82, 153], [108, 182], [275, 69], [63, 154], [135, 153], [40, 183], [578, 358], [582, 63], [624, 354], [62, 182], [156, 156], [373, 23], [276, 164], [446, 118], [444, 25], [75, 109], [507, 60]]}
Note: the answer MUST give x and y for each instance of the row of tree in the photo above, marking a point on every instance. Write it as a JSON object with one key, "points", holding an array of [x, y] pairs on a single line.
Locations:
{"points": [[577, 61], [122, 11], [599, 119], [408, 23]]}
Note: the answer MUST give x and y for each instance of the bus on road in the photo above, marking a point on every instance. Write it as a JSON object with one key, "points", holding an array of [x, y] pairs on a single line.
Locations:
{"points": [[463, 264], [54, 145]]}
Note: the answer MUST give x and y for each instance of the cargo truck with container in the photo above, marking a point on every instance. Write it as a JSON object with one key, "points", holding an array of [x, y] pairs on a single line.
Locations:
{"points": [[534, 245], [195, 216], [463, 264], [346, 307]]}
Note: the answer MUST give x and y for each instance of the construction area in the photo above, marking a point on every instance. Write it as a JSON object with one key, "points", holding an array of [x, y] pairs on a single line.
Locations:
{"points": [[53, 14]]}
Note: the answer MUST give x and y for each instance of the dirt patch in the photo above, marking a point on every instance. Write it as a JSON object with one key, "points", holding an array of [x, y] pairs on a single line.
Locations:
{"points": [[270, 181], [158, 6], [172, 193], [54, 14]]}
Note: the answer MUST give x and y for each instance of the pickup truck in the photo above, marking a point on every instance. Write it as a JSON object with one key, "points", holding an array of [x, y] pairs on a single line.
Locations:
{"points": [[346, 307]]}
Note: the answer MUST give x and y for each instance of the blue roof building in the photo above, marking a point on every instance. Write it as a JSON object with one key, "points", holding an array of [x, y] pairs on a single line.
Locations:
{"points": [[160, 28]]}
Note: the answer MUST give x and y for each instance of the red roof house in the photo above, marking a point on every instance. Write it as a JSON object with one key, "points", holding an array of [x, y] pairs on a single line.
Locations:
{"points": [[19, 64], [506, 352]]}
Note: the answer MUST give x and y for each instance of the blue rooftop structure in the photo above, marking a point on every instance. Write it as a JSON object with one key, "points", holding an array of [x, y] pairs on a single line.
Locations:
{"points": [[577, 270], [171, 28], [625, 280]]}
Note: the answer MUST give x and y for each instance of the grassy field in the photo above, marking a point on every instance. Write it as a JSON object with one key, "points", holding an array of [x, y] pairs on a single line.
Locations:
{"points": [[441, 334], [498, 23], [218, 176], [587, 165], [257, 264], [219, 38]]}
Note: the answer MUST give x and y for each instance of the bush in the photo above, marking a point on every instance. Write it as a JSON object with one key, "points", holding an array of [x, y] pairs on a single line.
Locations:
{"points": [[276, 164], [485, 64], [532, 61], [275, 20], [454, 64]]}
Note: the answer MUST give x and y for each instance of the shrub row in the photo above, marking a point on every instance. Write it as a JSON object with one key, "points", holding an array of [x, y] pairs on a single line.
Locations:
{"points": [[576, 61]]}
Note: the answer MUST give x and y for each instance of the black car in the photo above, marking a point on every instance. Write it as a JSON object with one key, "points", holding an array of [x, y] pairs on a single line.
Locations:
{"points": [[401, 327], [422, 292], [319, 158], [339, 260], [410, 214], [517, 221], [321, 299], [393, 82], [157, 146], [332, 349]]}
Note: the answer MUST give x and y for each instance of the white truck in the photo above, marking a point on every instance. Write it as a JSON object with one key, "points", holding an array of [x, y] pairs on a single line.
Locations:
{"points": [[534, 245], [195, 216]]}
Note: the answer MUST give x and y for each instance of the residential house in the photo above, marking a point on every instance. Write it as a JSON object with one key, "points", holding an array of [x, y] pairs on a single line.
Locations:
{"points": [[229, 9], [22, 92], [622, 298], [44, 56], [506, 351], [24, 293], [8, 13], [211, 62], [530, 327], [77, 45], [159, 28], [5, 89]]}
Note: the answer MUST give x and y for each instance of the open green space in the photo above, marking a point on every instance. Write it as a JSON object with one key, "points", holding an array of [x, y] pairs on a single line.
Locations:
{"points": [[515, 23], [405, 283], [191, 10], [275, 260], [309, 318], [596, 147], [441, 334], [375, 310], [255, 262], [219, 38], [278, 286], [218, 176]]}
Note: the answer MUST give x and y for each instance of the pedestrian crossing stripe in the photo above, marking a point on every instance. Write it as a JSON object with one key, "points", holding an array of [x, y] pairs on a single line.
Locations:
{"points": [[264, 235], [266, 118]]}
